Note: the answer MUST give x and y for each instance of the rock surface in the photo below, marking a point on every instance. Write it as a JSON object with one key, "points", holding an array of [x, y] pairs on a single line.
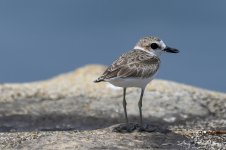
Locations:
{"points": [[71, 112]]}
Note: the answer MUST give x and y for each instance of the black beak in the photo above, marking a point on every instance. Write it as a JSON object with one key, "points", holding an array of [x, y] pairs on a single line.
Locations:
{"points": [[171, 50]]}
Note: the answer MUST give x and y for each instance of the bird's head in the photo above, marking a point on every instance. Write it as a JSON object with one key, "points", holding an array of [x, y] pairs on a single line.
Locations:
{"points": [[154, 45]]}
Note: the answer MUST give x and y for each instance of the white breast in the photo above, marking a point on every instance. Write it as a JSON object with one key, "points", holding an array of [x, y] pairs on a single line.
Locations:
{"points": [[130, 82]]}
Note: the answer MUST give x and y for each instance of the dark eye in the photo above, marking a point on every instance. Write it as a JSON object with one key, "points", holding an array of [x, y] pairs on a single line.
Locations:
{"points": [[154, 46]]}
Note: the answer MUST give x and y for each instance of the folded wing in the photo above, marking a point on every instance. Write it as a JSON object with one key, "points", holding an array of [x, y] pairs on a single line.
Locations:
{"points": [[136, 63]]}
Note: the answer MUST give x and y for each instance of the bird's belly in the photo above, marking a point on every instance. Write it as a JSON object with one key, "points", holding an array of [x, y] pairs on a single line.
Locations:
{"points": [[130, 82]]}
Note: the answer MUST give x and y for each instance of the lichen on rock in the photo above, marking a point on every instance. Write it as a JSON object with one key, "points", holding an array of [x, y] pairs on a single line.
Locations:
{"points": [[70, 111]]}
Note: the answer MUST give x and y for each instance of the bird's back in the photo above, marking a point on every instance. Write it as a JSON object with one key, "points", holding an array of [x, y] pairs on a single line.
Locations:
{"points": [[135, 64]]}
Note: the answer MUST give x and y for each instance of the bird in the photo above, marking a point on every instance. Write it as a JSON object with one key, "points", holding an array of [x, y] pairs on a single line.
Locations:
{"points": [[136, 68]]}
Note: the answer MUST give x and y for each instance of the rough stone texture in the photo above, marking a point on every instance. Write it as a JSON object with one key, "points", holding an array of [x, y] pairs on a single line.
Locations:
{"points": [[71, 112]]}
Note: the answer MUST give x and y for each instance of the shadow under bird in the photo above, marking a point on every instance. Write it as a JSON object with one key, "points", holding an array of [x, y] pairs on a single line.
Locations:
{"points": [[136, 68]]}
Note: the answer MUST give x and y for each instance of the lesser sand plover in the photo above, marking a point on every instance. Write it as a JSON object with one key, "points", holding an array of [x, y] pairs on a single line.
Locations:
{"points": [[136, 68]]}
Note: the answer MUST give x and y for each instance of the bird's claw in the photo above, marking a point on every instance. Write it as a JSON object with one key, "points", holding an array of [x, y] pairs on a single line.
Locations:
{"points": [[127, 128], [123, 128], [147, 128]]}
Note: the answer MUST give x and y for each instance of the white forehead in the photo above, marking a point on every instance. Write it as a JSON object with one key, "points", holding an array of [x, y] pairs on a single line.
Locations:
{"points": [[162, 44]]}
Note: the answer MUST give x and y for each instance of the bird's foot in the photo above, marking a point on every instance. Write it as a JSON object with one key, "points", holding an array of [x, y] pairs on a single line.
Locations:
{"points": [[125, 128], [147, 128], [130, 127]]}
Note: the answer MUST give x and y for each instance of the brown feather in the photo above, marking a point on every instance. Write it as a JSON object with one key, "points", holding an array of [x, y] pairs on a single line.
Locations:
{"points": [[135, 63]]}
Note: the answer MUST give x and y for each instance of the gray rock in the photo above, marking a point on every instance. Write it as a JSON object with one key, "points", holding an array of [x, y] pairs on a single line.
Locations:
{"points": [[71, 112]]}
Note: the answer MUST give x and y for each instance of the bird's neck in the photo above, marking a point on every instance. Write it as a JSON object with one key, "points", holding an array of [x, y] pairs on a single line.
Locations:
{"points": [[153, 53], [140, 48]]}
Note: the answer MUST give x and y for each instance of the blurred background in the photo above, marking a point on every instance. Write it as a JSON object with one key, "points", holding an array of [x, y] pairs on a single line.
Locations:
{"points": [[40, 39]]}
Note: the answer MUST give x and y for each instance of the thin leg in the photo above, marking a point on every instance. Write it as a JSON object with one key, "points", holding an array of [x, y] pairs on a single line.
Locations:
{"points": [[128, 127], [124, 104], [140, 106]]}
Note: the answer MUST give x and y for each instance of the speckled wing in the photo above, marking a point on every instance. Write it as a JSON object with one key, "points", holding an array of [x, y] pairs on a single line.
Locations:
{"points": [[135, 63]]}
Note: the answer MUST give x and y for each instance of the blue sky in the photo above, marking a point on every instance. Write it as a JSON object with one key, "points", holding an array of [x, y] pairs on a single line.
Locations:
{"points": [[40, 39]]}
